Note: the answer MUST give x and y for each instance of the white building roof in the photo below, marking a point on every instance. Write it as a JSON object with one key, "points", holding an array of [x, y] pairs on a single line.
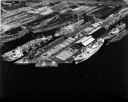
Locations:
{"points": [[83, 39], [88, 41]]}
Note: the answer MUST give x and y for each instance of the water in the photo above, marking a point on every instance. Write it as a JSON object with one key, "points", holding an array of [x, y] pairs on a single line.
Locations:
{"points": [[104, 74]]}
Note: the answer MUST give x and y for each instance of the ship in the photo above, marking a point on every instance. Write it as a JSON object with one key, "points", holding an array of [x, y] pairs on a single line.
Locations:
{"points": [[120, 36], [42, 11], [63, 11], [88, 51], [62, 20], [15, 22], [38, 25], [25, 49], [58, 21], [14, 34], [70, 28], [115, 31]]}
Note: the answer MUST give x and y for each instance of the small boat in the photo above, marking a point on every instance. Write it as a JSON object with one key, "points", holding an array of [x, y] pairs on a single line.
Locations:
{"points": [[89, 51]]}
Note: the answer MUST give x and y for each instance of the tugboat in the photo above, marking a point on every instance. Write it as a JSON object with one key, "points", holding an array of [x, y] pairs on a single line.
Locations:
{"points": [[88, 51]]}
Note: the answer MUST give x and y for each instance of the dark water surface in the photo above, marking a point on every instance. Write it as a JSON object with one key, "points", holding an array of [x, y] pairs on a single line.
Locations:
{"points": [[103, 75]]}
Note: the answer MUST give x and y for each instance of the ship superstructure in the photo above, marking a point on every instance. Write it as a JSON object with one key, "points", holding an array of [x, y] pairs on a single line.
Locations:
{"points": [[88, 51]]}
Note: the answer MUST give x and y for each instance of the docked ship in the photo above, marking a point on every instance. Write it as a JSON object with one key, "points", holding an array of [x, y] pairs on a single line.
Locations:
{"points": [[56, 22], [25, 49], [115, 31], [36, 26], [88, 51], [42, 11], [14, 34], [25, 60], [65, 10], [120, 35], [59, 21], [70, 28]]}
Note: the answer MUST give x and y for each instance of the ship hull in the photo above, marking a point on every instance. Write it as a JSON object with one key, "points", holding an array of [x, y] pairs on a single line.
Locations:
{"points": [[87, 56]]}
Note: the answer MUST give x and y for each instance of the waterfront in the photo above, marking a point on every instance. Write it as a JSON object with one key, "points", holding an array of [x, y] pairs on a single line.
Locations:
{"points": [[104, 74]]}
